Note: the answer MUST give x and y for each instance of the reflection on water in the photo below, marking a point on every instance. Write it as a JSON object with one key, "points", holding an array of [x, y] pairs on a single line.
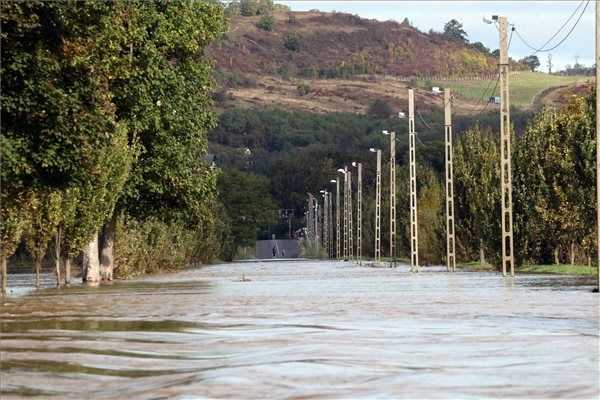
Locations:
{"points": [[304, 329]]}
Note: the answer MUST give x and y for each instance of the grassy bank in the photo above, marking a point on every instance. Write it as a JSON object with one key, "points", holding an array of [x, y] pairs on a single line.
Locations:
{"points": [[524, 86], [561, 269]]}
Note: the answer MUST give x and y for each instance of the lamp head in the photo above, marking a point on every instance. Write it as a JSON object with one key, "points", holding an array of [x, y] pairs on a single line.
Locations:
{"points": [[385, 132], [373, 150], [333, 181], [354, 163], [341, 170]]}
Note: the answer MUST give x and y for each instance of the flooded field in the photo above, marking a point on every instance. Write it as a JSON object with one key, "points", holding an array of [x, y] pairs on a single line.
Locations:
{"points": [[304, 330]]}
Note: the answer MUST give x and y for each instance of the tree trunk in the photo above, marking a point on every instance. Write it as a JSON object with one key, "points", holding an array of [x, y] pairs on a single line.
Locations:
{"points": [[91, 261], [572, 253], [107, 252], [481, 254], [3, 271], [556, 259], [57, 257], [38, 268], [67, 270]]}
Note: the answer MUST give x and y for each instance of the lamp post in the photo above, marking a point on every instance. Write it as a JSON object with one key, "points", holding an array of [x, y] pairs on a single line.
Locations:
{"points": [[325, 226], [337, 217], [358, 166], [377, 206], [392, 195], [345, 229]]}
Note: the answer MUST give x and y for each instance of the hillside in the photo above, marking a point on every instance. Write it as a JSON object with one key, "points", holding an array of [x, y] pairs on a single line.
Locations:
{"points": [[318, 44], [334, 62]]}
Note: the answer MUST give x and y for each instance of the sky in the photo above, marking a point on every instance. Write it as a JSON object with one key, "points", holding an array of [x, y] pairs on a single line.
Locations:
{"points": [[536, 21]]}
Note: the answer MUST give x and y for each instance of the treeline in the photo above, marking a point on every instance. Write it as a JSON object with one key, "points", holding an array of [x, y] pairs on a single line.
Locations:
{"points": [[553, 175], [105, 108]]}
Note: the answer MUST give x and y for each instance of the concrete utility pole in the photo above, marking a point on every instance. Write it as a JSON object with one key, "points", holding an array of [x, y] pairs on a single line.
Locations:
{"points": [[325, 221], [598, 136], [392, 196], [350, 219], [345, 241], [359, 214], [337, 217], [505, 154], [309, 219], [450, 245], [317, 239], [378, 207], [414, 226], [330, 228]]}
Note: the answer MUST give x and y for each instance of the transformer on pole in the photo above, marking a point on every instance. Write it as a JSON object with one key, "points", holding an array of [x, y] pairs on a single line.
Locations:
{"points": [[414, 227], [450, 233], [505, 153]]}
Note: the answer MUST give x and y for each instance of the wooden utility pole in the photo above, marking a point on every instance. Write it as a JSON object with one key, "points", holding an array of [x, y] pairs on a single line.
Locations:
{"points": [[359, 216], [378, 209], [414, 227], [393, 198], [505, 154], [350, 218], [598, 137], [450, 245]]}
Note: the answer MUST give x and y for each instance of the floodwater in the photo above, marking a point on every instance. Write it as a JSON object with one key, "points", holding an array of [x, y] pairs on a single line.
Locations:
{"points": [[304, 330]]}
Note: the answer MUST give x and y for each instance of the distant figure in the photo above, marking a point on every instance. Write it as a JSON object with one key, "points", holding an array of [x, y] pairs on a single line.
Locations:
{"points": [[274, 251], [282, 253]]}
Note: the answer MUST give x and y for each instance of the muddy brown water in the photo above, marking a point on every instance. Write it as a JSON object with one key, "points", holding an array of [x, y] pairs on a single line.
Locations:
{"points": [[304, 330]]}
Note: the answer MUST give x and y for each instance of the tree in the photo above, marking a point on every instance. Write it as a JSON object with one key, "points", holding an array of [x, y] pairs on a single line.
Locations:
{"points": [[480, 47], [477, 193], [531, 61], [265, 23], [380, 109], [453, 30], [291, 41], [247, 203], [58, 60]]}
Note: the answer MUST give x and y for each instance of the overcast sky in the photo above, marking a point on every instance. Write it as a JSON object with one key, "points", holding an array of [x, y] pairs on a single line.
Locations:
{"points": [[537, 21]]}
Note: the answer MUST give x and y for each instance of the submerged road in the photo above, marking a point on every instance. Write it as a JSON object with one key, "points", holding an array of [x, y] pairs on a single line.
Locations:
{"points": [[304, 330]]}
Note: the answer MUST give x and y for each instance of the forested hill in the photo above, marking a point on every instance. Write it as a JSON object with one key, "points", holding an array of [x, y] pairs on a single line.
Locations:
{"points": [[327, 45]]}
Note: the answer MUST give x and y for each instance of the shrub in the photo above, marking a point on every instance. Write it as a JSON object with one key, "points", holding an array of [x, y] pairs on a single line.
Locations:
{"points": [[266, 23], [303, 89], [292, 19], [291, 41], [380, 109]]}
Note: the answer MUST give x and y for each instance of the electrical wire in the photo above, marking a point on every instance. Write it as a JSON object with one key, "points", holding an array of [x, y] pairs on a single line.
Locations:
{"points": [[542, 49]]}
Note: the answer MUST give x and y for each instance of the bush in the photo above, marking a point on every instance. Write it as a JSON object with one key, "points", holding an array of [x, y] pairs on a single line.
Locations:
{"points": [[266, 23], [380, 109], [303, 89], [292, 19], [151, 246], [291, 41]]}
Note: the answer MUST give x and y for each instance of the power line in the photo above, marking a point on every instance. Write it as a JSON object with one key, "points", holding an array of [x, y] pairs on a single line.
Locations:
{"points": [[542, 49]]}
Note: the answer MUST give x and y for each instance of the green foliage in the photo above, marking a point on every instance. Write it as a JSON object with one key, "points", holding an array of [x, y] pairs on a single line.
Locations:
{"points": [[453, 30], [291, 41], [380, 109], [554, 182], [531, 61], [150, 246], [476, 193], [266, 23], [247, 204], [303, 89]]}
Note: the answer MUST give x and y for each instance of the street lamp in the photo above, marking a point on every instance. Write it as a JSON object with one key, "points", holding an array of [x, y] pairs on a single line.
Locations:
{"points": [[377, 206], [337, 218], [392, 136], [358, 212], [345, 172]]}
